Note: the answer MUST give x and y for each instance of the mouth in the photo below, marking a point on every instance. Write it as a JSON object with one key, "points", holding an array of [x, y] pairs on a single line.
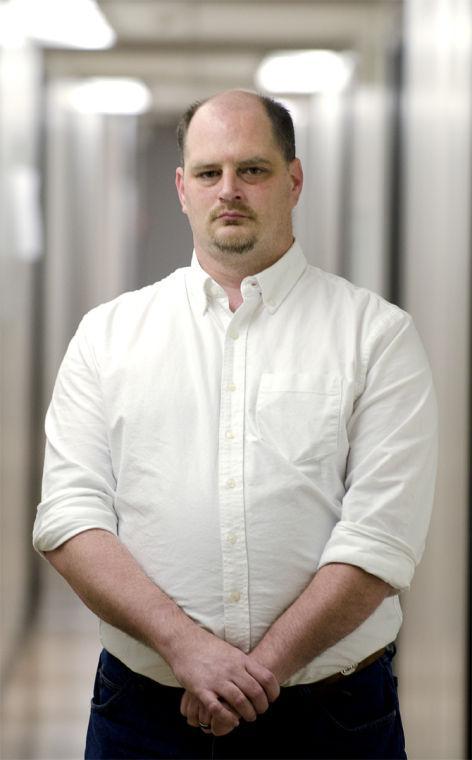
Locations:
{"points": [[231, 215]]}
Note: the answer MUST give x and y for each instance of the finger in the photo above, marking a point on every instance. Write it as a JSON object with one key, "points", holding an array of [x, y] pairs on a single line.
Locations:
{"points": [[204, 719], [222, 728], [236, 699], [218, 710], [264, 677], [225, 724], [183, 704], [193, 707], [253, 691]]}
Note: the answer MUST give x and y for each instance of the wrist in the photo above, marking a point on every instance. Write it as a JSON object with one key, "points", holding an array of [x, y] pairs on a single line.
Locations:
{"points": [[266, 657], [278, 657], [175, 636]]}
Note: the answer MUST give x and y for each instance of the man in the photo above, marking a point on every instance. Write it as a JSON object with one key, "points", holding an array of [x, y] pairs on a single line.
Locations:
{"points": [[239, 476]]}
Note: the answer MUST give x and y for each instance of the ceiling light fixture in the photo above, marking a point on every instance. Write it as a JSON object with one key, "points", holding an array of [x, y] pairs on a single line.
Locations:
{"points": [[110, 95], [58, 23], [305, 72]]}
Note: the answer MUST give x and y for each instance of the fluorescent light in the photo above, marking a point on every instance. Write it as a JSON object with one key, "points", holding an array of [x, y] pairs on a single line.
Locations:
{"points": [[305, 71], [12, 33], [59, 23], [111, 95]]}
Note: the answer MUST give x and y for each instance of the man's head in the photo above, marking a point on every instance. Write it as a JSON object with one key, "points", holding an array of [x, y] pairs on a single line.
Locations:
{"points": [[239, 180], [279, 116]]}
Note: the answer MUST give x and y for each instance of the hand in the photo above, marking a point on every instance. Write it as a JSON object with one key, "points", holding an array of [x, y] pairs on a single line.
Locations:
{"points": [[192, 709], [222, 678]]}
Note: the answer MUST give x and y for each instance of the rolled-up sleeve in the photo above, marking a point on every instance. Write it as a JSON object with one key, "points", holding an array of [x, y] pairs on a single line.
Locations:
{"points": [[391, 467], [78, 482]]}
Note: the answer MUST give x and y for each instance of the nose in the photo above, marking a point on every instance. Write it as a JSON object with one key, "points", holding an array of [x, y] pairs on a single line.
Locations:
{"points": [[230, 186]]}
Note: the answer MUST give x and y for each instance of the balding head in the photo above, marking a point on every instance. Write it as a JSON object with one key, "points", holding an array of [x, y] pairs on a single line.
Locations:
{"points": [[242, 100], [236, 187]]}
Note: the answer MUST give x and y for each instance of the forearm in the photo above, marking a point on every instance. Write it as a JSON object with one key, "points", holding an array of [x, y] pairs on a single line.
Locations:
{"points": [[111, 583], [339, 598]]}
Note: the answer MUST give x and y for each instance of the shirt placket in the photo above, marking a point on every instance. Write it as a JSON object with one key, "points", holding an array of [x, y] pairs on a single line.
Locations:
{"points": [[231, 480]]}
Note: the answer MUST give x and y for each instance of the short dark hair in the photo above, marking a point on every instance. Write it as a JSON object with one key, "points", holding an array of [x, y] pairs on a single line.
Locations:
{"points": [[279, 116]]}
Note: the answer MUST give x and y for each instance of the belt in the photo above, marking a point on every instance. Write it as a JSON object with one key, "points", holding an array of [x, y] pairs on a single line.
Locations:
{"points": [[348, 671]]}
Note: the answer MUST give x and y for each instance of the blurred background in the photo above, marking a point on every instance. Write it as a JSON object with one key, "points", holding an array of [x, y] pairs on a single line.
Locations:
{"points": [[90, 94]]}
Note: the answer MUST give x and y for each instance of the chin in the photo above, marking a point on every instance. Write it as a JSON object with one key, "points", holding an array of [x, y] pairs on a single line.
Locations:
{"points": [[234, 242], [235, 246]]}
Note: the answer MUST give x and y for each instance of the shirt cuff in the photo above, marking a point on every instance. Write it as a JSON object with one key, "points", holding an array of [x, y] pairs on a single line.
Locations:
{"points": [[55, 524], [372, 550]]}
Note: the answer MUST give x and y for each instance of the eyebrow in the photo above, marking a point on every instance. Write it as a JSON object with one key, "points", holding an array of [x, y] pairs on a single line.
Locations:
{"points": [[247, 162], [255, 160]]}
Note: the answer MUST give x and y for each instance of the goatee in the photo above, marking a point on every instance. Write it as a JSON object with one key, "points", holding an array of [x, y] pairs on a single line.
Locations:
{"points": [[235, 246]]}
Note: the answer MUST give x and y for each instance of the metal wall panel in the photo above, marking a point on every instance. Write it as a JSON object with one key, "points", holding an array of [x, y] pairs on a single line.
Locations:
{"points": [[20, 250], [436, 278]]}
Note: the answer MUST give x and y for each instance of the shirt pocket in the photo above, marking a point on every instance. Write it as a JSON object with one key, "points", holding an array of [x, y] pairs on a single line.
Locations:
{"points": [[298, 413]]}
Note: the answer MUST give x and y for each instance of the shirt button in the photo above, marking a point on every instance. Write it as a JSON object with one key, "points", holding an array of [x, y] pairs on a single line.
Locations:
{"points": [[231, 387], [231, 538], [230, 483], [229, 434], [234, 334], [235, 596]]}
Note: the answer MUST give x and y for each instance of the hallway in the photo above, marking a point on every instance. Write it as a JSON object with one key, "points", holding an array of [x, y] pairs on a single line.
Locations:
{"points": [[89, 106], [45, 710]]}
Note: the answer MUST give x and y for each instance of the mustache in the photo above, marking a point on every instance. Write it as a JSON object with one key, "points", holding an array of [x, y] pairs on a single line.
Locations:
{"points": [[238, 207]]}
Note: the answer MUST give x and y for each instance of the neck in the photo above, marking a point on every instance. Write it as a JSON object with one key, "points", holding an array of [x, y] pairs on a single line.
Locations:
{"points": [[229, 272], [229, 280]]}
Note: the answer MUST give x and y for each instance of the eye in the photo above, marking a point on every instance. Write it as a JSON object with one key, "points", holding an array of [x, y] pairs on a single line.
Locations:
{"points": [[253, 171], [209, 174]]}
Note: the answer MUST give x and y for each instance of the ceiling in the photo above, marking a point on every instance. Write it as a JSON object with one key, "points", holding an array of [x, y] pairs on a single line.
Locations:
{"points": [[187, 49]]}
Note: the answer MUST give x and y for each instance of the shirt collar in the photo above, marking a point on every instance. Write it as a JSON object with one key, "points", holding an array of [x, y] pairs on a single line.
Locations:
{"points": [[275, 282]]}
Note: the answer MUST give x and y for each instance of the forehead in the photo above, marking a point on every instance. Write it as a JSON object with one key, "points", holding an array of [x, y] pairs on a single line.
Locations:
{"points": [[233, 130]]}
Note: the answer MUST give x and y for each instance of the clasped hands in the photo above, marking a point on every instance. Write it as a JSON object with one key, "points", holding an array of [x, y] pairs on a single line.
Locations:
{"points": [[222, 684]]}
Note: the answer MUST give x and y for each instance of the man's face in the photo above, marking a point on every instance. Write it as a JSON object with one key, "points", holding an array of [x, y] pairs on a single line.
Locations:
{"points": [[236, 187]]}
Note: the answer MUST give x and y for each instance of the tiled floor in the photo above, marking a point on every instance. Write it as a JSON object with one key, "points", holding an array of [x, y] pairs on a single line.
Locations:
{"points": [[44, 712]]}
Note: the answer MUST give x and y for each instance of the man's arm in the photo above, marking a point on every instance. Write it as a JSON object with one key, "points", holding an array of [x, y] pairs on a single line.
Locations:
{"points": [[108, 579], [336, 602], [77, 515], [389, 484]]}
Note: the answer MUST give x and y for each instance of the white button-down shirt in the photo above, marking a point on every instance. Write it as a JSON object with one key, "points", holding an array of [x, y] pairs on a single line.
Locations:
{"points": [[236, 453]]}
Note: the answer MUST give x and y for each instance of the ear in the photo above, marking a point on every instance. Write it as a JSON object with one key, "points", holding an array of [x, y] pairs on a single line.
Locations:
{"points": [[296, 177], [179, 183]]}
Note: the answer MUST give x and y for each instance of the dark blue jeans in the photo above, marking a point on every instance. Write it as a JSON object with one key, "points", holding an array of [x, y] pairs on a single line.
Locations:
{"points": [[357, 717]]}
